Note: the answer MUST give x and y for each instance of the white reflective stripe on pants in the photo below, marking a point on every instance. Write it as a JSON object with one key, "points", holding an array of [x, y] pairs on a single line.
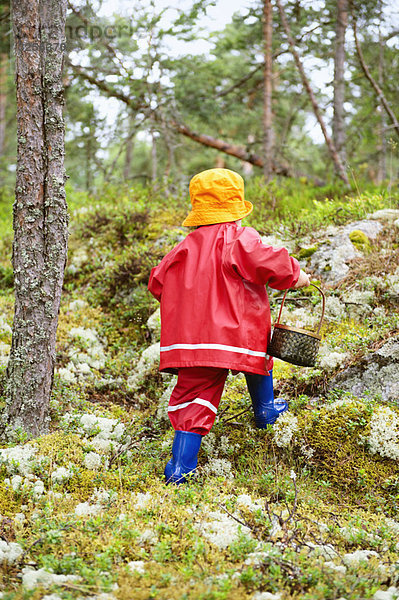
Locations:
{"points": [[195, 401]]}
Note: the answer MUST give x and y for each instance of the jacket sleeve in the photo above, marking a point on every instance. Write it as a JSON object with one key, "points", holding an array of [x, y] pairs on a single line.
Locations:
{"points": [[261, 264], [155, 283]]}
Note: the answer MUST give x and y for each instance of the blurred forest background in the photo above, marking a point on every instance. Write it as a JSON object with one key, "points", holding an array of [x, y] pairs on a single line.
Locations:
{"points": [[152, 95]]}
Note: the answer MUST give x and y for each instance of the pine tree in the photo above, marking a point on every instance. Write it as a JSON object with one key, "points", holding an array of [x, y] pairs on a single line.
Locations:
{"points": [[40, 212]]}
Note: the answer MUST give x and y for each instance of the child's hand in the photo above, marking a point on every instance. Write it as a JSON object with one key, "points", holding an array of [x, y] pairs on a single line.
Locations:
{"points": [[303, 280]]}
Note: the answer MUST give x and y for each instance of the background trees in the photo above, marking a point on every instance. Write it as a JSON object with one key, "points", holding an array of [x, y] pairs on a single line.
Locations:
{"points": [[164, 96]]}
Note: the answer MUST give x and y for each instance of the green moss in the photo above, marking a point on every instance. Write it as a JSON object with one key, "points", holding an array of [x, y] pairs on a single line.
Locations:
{"points": [[360, 240], [87, 317], [354, 336], [336, 437], [85, 481], [61, 448], [8, 503], [6, 277], [306, 252]]}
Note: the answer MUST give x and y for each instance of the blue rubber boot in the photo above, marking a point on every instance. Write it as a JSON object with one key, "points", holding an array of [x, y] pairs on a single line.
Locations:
{"points": [[266, 408], [184, 456]]}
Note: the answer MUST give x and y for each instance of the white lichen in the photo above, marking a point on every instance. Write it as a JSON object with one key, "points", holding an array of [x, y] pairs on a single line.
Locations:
{"points": [[32, 578], [147, 363], [284, 429], [222, 530], [92, 461], [10, 552], [384, 433], [136, 566], [220, 467], [85, 509]]}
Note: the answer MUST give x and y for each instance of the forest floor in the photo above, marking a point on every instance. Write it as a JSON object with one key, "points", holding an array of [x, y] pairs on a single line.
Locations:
{"points": [[305, 509]]}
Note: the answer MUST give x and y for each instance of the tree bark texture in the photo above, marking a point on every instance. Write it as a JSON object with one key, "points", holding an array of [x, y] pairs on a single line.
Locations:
{"points": [[40, 211], [339, 80], [267, 90], [330, 145]]}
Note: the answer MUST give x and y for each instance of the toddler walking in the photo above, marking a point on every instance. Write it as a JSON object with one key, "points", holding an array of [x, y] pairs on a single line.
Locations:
{"points": [[215, 313]]}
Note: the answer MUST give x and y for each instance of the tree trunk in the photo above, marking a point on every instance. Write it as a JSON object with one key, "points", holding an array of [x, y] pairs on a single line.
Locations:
{"points": [[267, 90], [330, 145], [339, 80], [154, 158], [382, 150], [127, 167], [40, 212], [3, 99], [89, 161]]}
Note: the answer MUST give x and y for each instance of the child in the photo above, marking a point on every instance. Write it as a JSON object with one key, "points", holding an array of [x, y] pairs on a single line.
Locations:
{"points": [[215, 313]]}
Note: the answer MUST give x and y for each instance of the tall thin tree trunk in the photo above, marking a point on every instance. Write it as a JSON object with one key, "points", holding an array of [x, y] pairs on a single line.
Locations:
{"points": [[339, 79], [377, 89], [3, 99], [267, 90], [382, 154], [170, 147], [329, 143], [154, 158], [127, 167], [5, 24], [40, 212], [89, 162]]}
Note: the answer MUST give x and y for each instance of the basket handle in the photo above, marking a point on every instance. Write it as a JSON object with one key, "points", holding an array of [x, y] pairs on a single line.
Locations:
{"points": [[323, 297]]}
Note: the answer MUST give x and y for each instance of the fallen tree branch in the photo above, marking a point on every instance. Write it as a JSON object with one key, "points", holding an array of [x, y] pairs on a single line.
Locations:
{"points": [[231, 149], [239, 152]]}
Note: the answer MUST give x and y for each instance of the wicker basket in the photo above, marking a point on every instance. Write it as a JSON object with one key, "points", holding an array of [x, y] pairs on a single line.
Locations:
{"points": [[293, 345]]}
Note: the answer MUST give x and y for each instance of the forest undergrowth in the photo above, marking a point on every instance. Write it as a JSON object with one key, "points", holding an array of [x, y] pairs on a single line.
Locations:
{"points": [[305, 509]]}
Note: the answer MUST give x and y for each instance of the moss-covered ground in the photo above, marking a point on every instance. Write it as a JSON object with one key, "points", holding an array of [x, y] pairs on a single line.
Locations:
{"points": [[306, 509]]}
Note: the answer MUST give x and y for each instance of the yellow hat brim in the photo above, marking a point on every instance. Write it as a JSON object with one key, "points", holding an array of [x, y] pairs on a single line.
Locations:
{"points": [[217, 215]]}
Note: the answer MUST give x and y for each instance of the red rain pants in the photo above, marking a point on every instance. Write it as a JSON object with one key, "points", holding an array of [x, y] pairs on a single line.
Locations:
{"points": [[195, 398]]}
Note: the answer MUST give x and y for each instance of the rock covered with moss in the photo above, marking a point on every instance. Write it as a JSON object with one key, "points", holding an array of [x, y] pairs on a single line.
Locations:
{"points": [[336, 249], [377, 374]]}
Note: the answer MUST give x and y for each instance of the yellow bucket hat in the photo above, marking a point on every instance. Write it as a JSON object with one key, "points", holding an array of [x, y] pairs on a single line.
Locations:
{"points": [[217, 196]]}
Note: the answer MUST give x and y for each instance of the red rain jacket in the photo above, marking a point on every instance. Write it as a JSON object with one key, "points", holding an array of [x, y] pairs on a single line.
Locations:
{"points": [[214, 306]]}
